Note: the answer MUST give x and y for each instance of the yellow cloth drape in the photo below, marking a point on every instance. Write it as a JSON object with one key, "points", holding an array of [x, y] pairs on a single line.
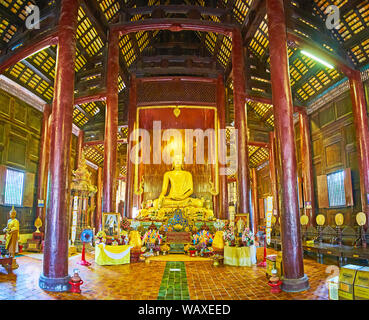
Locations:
{"points": [[218, 242], [135, 239], [112, 255], [240, 256]]}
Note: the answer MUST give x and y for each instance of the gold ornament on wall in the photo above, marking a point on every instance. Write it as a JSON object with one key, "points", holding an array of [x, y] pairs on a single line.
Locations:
{"points": [[38, 224], [339, 219], [304, 220], [177, 111], [320, 220], [361, 218]]}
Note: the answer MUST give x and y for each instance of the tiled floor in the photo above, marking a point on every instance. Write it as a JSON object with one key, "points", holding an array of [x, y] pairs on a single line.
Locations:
{"points": [[152, 281]]}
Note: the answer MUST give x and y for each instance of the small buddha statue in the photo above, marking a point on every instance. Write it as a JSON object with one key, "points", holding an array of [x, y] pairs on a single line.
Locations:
{"points": [[177, 188], [12, 235]]}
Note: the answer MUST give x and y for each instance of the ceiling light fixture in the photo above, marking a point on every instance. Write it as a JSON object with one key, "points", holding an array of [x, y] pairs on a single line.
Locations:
{"points": [[308, 54]]}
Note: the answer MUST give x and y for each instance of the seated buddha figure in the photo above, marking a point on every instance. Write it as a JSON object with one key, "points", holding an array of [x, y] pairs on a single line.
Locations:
{"points": [[177, 189]]}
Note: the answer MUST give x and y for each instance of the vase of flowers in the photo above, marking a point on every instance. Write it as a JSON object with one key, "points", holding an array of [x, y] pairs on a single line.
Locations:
{"points": [[192, 250], [228, 236], [248, 238], [125, 224]]}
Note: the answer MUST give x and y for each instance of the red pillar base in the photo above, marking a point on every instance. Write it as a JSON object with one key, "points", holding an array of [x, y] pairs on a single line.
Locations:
{"points": [[54, 284], [295, 285]]}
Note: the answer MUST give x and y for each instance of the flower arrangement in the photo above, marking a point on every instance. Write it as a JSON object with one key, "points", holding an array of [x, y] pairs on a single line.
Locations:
{"points": [[178, 227], [135, 224], [152, 236], [125, 224], [101, 237], [124, 237], [203, 237], [248, 238], [219, 225], [228, 235], [164, 248], [192, 250]]}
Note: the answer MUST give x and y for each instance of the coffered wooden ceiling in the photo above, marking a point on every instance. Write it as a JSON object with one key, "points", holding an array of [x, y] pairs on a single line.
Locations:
{"points": [[141, 51]]}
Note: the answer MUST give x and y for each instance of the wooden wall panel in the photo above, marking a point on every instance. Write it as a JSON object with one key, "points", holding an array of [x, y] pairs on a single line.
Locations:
{"points": [[17, 151], [333, 155], [333, 143], [322, 186], [348, 188], [20, 126], [29, 190]]}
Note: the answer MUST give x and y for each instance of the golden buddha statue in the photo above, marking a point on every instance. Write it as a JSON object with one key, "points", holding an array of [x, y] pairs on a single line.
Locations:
{"points": [[176, 192], [181, 188], [12, 235]]}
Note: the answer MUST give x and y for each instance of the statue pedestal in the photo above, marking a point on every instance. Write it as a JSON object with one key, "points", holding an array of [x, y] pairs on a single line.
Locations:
{"points": [[177, 240]]}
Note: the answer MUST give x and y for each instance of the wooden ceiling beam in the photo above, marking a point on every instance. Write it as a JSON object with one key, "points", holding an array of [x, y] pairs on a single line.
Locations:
{"points": [[46, 77], [98, 18], [80, 109], [158, 71], [176, 9]]}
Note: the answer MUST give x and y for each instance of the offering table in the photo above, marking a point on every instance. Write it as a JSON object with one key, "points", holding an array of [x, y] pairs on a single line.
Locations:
{"points": [[240, 256], [112, 255]]}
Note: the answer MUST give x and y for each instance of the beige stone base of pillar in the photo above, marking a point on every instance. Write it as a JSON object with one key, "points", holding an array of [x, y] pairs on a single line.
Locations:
{"points": [[296, 285]]}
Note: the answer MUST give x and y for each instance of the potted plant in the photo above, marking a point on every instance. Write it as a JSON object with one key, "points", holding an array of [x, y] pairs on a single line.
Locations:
{"points": [[192, 250]]}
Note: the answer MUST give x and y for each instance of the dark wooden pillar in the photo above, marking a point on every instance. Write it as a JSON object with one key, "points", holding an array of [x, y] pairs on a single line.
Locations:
{"points": [[255, 200], [98, 216], [128, 205], [307, 166], [294, 278], [111, 125], [273, 173], [240, 115], [223, 187], [55, 263], [43, 164], [362, 136], [81, 135]]}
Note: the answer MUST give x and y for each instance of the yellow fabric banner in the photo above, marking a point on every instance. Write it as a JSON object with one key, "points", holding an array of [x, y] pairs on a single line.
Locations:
{"points": [[112, 255], [218, 242], [240, 256]]}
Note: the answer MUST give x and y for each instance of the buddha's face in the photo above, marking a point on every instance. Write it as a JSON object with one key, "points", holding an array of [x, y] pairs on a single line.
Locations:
{"points": [[12, 214], [177, 165]]}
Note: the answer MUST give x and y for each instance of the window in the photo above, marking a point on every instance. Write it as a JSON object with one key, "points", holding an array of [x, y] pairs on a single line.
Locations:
{"points": [[14, 187], [336, 189]]}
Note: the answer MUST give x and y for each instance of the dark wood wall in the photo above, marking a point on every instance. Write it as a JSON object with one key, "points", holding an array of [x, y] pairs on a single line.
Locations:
{"points": [[20, 130], [20, 127], [333, 149]]}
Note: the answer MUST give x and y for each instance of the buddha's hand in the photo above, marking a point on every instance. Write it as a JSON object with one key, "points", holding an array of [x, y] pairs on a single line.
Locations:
{"points": [[160, 202]]}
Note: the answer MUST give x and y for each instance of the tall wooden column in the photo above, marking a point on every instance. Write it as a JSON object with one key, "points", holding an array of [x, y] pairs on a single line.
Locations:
{"points": [[255, 209], [98, 216], [307, 166], [55, 263], [294, 278], [273, 173], [223, 187], [128, 205], [43, 165], [81, 136], [240, 116], [111, 125], [362, 136]]}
